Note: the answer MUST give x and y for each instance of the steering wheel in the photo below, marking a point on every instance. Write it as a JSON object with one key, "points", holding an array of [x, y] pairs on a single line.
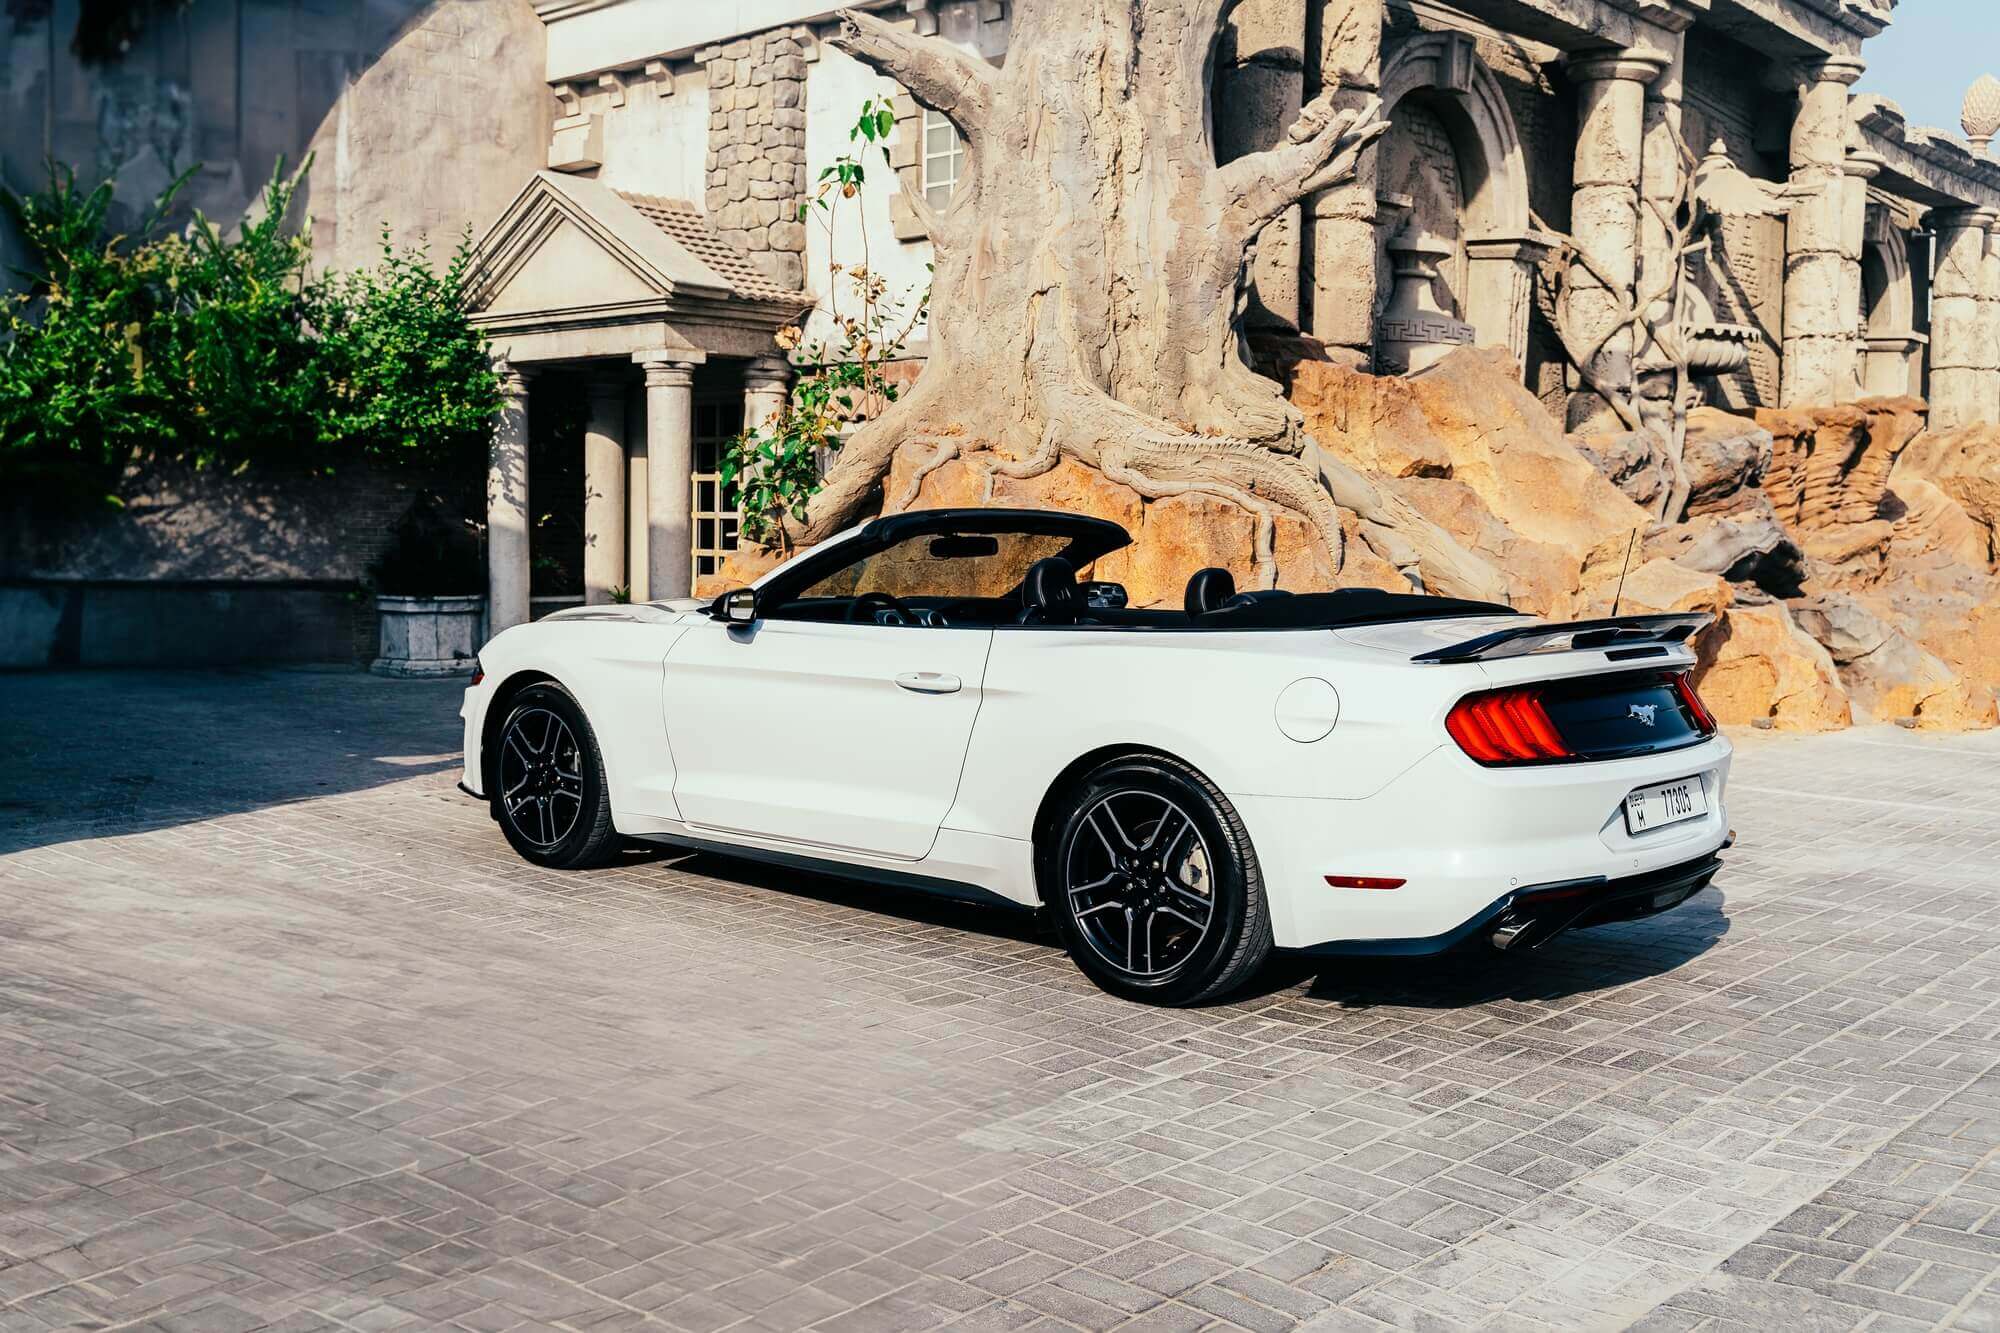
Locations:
{"points": [[867, 604]]}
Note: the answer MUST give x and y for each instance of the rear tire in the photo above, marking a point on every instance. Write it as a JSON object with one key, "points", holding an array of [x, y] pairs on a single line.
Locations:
{"points": [[547, 781], [1154, 885]]}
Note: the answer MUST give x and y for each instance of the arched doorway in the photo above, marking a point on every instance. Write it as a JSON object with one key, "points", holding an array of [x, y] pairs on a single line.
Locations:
{"points": [[1892, 359], [1451, 164]]}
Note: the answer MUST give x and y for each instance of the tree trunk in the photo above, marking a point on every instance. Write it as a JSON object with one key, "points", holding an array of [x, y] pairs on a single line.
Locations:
{"points": [[1089, 275]]}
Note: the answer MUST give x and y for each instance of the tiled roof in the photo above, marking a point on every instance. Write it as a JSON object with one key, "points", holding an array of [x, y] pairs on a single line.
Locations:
{"points": [[690, 228]]}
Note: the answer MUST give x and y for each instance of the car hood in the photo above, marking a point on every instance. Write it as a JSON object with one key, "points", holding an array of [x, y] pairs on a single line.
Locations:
{"points": [[645, 613]]}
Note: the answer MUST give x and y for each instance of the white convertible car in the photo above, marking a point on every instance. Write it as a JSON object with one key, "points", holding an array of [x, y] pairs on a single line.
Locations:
{"points": [[943, 700]]}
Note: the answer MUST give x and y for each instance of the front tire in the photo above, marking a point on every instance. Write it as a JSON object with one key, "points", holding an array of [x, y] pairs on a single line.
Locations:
{"points": [[547, 780], [1154, 885]]}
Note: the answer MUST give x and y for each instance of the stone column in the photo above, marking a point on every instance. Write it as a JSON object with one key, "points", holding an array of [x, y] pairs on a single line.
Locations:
{"points": [[1849, 362], [637, 492], [507, 507], [1989, 344], [1604, 213], [1820, 337], [767, 382], [1662, 177], [604, 489], [669, 471], [1958, 377], [1339, 224]]}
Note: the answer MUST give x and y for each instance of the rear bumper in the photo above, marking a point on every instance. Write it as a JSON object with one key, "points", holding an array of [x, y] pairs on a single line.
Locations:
{"points": [[1467, 841], [1533, 916]]}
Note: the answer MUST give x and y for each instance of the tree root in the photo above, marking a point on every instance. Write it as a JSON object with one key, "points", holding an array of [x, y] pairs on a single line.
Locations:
{"points": [[1156, 488], [946, 451]]}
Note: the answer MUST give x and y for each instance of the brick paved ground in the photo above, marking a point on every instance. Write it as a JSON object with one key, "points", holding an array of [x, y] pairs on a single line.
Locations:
{"points": [[288, 1038]]}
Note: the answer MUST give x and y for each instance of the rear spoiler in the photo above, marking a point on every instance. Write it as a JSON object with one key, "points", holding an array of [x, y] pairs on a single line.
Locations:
{"points": [[1618, 632]]}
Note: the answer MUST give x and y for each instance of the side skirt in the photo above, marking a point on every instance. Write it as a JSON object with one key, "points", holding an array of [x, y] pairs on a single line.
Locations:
{"points": [[900, 879]]}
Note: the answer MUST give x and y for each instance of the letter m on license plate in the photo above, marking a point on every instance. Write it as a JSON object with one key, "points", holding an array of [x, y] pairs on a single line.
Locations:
{"points": [[1668, 803]]}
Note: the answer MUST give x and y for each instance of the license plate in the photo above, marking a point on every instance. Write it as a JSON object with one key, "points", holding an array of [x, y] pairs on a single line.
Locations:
{"points": [[1669, 803]]}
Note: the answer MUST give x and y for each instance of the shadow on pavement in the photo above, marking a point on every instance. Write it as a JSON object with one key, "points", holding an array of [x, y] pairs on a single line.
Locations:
{"points": [[904, 904], [94, 754], [1578, 963]]}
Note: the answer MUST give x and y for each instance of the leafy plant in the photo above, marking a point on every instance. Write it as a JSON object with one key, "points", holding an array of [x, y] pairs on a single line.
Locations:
{"points": [[774, 470], [405, 377], [78, 393], [221, 349]]}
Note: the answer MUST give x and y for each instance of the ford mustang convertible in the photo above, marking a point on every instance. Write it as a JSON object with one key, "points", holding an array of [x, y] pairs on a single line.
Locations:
{"points": [[952, 700]]}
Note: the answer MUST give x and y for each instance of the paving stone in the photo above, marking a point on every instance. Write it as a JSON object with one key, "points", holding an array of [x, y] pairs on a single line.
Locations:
{"points": [[293, 1041]]}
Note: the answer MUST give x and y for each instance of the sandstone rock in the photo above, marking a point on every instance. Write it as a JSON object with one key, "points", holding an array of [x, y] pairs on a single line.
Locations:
{"points": [[1965, 465], [1747, 546], [1469, 421], [1888, 675], [1635, 461], [1659, 587], [1758, 665], [1952, 611], [1829, 478], [1725, 454], [1372, 425], [1932, 523], [1541, 579], [1504, 444]]}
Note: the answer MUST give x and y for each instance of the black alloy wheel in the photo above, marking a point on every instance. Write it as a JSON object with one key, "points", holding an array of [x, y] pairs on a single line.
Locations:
{"points": [[1155, 886], [546, 776]]}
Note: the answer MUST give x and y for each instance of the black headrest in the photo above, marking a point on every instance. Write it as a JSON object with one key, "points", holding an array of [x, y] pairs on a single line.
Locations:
{"points": [[1208, 590], [1050, 590]]}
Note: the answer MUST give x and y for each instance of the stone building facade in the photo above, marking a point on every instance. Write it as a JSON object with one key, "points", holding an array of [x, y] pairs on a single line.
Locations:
{"points": [[419, 116], [635, 168]]}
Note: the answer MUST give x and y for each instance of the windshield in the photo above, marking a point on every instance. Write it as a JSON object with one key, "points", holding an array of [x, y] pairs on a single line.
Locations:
{"points": [[982, 565]]}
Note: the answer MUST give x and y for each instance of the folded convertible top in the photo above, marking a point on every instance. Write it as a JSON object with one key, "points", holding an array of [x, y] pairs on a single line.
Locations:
{"points": [[1342, 608]]}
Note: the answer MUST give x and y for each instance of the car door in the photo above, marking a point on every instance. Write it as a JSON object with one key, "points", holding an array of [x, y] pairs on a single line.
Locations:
{"points": [[837, 735]]}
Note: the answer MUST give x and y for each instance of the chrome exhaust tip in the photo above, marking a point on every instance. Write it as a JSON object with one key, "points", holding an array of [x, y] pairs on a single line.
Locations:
{"points": [[1508, 931]]}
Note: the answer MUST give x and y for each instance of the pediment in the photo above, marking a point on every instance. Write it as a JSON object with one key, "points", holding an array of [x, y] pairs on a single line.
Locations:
{"points": [[563, 267]]}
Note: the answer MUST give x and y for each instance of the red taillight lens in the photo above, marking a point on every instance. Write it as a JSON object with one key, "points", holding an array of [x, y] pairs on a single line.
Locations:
{"points": [[1506, 727], [1703, 719]]}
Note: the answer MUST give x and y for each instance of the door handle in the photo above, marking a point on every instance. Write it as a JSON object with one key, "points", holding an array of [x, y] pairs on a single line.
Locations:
{"points": [[930, 682]]}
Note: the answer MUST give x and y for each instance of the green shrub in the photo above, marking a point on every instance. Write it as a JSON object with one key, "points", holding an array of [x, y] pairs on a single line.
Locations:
{"points": [[224, 350]]}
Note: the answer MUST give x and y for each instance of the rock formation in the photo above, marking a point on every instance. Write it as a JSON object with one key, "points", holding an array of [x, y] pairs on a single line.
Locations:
{"points": [[1847, 558]]}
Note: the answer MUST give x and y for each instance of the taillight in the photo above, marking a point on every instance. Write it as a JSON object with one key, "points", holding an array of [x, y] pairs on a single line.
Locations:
{"points": [[1506, 727], [1704, 720], [478, 671]]}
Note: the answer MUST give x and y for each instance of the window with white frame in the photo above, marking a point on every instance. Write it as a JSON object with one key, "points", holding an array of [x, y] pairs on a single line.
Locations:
{"points": [[712, 506], [943, 160]]}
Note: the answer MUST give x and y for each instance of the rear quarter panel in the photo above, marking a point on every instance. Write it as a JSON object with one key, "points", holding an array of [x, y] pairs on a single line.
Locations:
{"points": [[1053, 695]]}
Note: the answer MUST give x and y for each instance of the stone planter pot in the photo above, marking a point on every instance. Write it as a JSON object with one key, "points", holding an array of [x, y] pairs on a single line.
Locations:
{"points": [[428, 636]]}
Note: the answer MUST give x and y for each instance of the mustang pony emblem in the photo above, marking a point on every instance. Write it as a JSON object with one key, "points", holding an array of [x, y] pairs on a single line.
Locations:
{"points": [[1645, 712]]}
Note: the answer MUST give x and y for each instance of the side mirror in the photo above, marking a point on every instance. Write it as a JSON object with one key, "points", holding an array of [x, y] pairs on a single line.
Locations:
{"points": [[738, 606]]}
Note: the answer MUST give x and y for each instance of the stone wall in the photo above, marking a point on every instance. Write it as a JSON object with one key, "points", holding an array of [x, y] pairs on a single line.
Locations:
{"points": [[201, 567], [423, 115], [757, 148]]}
